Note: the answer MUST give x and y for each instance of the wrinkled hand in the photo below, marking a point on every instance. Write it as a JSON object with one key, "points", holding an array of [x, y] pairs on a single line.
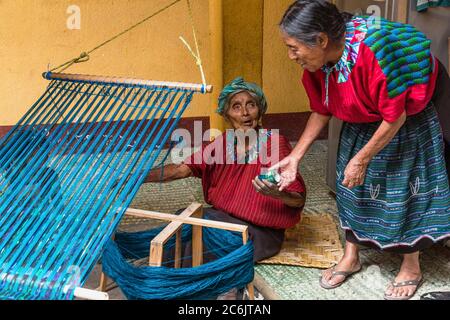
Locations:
{"points": [[266, 188], [288, 168], [354, 174]]}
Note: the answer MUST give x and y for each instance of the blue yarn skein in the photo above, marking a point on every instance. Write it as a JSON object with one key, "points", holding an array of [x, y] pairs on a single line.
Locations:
{"points": [[232, 269]]}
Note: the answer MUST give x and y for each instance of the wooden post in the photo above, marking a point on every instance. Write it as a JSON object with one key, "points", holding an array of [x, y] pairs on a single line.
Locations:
{"points": [[216, 73], [156, 254], [197, 246], [250, 286], [157, 244], [402, 11], [178, 250], [197, 241], [103, 282]]}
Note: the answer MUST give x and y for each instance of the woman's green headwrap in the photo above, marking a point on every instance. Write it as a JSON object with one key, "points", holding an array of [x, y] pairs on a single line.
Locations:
{"points": [[239, 85]]}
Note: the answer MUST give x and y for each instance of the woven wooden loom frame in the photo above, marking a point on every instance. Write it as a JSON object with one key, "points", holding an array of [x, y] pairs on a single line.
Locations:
{"points": [[80, 292], [314, 242], [193, 215]]}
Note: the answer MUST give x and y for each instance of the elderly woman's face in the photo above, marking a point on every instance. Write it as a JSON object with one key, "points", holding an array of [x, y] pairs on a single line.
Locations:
{"points": [[243, 112], [309, 58]]}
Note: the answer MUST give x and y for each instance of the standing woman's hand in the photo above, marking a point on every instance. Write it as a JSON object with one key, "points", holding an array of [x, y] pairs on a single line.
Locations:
{"points": [[288, 168], [354, 174]]}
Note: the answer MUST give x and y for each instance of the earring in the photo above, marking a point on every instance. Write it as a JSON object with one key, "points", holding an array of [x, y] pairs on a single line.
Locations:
{"points": [[260, 122]]}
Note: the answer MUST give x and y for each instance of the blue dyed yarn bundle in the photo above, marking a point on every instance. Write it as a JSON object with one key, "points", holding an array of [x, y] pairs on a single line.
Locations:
{"points": [[232, 269]]}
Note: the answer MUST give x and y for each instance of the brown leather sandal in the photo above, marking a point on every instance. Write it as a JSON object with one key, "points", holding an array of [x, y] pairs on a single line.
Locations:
{"points": [[417, 282], [345, 274]]}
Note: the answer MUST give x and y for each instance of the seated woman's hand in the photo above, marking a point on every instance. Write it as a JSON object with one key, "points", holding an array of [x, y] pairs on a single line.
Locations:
{"points": [[288, 171], [266, 188]]}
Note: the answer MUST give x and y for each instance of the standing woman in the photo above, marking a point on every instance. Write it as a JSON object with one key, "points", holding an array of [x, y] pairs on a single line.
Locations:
{"points": [[380, 79]]}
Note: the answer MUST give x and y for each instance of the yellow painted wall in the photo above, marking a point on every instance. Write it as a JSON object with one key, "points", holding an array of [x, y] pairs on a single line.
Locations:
{"points": [[253, 48], [281, 77], [33, 33], [243, 39], [242, 43]]}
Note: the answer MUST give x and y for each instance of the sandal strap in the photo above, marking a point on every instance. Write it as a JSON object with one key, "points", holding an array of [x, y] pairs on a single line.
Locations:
{"points": [[407, 283], [344, 273]]}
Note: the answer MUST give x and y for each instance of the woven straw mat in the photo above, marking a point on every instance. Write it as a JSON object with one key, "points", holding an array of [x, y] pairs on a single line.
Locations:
{"points": [[314, 242]]}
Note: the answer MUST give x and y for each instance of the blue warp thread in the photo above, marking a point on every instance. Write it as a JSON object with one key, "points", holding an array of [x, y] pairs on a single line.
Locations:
{"points": [[64, 188]]}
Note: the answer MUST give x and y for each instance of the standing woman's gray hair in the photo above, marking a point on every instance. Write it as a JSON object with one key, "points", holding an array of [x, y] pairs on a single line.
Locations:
{"points": [[305, 19]]}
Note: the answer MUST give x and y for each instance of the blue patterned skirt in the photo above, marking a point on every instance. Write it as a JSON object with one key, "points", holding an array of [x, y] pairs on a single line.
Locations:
{"points": [[405, 197]]}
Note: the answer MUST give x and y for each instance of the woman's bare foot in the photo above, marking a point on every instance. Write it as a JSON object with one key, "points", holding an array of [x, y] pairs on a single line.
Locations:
{"points": [[349, 263], [409, 271]]}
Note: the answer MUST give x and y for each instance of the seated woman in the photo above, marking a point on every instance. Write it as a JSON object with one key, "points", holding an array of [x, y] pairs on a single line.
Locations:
{"points": [[230, 168]]}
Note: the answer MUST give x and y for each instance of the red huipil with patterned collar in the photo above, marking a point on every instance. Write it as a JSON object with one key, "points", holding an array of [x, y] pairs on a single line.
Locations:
{"points": [[380, 75], [227, 182]]}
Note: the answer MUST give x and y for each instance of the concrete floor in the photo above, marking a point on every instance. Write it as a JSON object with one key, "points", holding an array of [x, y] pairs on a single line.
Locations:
{"points": [[93, 283]]}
